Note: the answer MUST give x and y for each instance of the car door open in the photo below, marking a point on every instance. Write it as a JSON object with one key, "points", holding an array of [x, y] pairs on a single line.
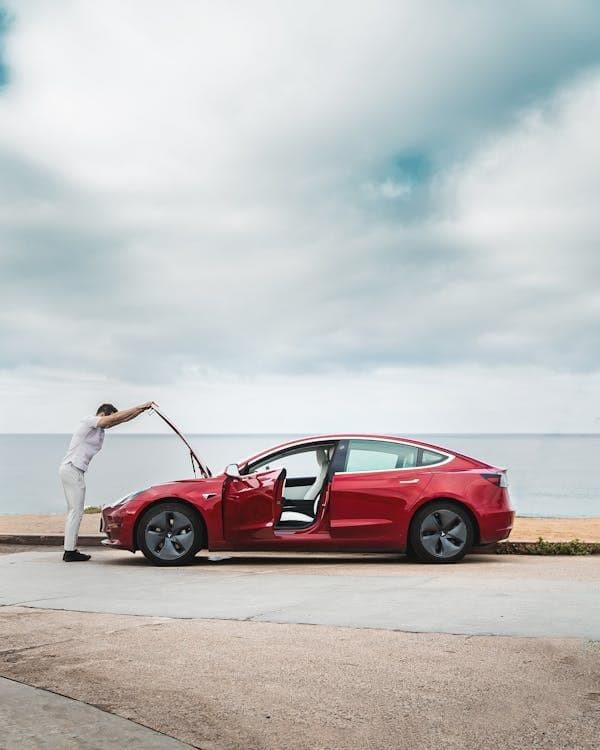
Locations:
{"points": [[252, 506]]}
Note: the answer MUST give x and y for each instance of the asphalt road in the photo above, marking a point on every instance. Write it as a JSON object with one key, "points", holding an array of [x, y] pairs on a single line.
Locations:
{"points": [[486, 594]]}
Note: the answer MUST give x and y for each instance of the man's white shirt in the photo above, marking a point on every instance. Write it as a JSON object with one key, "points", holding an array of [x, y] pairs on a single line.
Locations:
{"points": [[85, 443]]}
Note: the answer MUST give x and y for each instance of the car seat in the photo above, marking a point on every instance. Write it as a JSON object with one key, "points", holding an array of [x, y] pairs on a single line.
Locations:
{"points": [[313, 492]]}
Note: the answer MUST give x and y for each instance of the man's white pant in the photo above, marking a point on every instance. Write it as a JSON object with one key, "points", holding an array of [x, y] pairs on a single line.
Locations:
{"points": [[73, 482]]}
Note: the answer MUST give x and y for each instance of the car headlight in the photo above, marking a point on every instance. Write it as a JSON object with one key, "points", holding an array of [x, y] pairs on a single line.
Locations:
{"points": [[127, 498]]}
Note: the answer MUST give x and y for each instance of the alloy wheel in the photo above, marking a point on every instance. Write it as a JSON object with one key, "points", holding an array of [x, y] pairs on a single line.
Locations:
{"points": [[443, 533], [169, 535]]}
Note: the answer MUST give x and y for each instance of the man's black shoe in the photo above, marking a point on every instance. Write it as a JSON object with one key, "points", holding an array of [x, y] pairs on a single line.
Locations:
{"points": [[75, 556]]}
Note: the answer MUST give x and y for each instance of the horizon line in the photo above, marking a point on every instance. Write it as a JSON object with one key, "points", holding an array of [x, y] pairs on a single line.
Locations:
{"points": [[285, 434]]}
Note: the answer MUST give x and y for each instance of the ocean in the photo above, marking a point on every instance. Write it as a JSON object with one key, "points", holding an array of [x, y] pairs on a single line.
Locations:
{"points": [[550, 475]]}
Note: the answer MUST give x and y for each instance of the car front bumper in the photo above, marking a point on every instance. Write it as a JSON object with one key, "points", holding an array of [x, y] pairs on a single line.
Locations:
{"points": [[117, 524]]}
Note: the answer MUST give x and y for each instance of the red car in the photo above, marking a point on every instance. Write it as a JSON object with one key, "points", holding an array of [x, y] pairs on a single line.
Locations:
{"points": [[345, 493]]}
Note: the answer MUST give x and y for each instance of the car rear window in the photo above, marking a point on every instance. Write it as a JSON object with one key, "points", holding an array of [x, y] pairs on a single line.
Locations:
{"points": [[429, 458]]}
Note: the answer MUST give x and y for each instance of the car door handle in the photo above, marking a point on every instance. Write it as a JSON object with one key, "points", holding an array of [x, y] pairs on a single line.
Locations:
{"points": [[407, 481]]}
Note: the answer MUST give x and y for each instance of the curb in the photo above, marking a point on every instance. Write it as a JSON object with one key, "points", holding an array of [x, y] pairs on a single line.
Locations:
{"points": [[501, 548], [50, 540]]}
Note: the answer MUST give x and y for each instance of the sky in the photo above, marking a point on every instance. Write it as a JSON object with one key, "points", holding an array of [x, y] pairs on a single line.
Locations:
{"points": [[301, 217]]}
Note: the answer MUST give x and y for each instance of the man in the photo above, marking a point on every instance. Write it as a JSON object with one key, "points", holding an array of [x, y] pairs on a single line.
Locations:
{"points": [[85, 443]]}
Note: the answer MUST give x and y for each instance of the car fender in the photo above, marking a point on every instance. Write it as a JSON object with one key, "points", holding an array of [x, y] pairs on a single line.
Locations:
{"points": [[449, 486]]}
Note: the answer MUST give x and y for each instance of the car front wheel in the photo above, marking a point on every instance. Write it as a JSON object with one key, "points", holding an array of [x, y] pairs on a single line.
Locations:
{"points": [[441, 532], [169, 533]]}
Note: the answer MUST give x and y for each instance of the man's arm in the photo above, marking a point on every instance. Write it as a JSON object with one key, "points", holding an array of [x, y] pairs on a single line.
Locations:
{"points": [[124, 416]]}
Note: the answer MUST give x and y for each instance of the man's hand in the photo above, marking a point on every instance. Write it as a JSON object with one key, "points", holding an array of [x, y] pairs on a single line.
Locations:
{"points": [[147, 405]]}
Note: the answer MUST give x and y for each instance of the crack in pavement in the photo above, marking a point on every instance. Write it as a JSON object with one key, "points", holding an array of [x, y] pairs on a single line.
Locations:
{"points": [[10, 651], [29, 602]]}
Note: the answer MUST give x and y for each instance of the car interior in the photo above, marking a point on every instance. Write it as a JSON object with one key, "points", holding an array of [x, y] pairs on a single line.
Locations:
{"points": [[306, 473], [301, 503]]}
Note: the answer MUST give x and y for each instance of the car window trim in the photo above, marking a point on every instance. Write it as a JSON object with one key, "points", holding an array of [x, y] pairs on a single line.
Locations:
{"points": [[302, 448], [420, 449]]}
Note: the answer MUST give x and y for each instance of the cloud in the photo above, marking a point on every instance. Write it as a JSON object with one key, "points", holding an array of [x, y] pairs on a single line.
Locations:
{"points": [[4, 27], [389, 188], [299, 188], [525, 206], [409, 401]]}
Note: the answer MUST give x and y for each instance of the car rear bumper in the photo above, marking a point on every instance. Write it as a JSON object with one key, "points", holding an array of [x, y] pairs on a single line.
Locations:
{"points": [[494, 527]]}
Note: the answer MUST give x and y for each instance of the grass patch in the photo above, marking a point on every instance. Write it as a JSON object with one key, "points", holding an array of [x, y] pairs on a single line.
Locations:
{"points": [[92, 509], [544, 547], [573, 547]]}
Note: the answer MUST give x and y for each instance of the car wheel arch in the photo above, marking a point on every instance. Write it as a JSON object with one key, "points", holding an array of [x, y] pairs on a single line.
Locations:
{"points": [[456, 501], [169, 499]]}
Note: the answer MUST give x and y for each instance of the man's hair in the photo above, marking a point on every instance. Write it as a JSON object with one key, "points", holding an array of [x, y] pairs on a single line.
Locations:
{"points": [[106, 410]]}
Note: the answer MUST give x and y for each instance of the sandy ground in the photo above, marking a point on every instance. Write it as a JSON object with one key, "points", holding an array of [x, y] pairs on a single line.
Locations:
{"points": [[525, 529], [224, 685], [556, 529], [46, 524]]}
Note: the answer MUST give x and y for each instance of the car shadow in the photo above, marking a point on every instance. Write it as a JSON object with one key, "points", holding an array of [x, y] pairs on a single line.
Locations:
{"points": [[303, 560]]}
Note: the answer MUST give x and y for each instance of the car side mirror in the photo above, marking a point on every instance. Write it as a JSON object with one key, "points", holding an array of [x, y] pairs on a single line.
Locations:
{"points": [[233, 471]]}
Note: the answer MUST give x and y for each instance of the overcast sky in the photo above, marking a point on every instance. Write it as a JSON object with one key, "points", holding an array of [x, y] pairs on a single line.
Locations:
{"points": [[301, 217]]}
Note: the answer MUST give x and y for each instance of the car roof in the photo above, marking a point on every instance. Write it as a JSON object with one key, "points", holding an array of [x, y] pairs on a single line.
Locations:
{"points": [[347, 436]]}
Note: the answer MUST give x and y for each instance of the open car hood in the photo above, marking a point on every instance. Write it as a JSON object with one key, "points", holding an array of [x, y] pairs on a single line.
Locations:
{"points": [[196, 461]]}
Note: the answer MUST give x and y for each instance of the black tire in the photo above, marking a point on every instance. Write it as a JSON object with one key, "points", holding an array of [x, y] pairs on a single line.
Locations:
{"points": [[441, 532], [170, 533]]}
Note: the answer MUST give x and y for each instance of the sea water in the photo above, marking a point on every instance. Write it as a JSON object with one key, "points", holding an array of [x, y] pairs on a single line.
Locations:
{"points": [[550, 475]]}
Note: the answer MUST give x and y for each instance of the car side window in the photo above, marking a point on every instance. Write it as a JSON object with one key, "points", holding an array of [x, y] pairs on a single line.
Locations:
{"points": [[380, 455], [298, 463], [429, 458]]}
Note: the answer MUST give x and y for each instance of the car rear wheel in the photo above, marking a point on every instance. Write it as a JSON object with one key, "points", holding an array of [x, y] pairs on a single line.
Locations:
{"points": [[441, 532], [170, 533]]}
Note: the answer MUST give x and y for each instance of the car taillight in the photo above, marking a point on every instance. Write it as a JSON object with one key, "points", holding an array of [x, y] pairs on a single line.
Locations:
{"points": [[499, 479]]}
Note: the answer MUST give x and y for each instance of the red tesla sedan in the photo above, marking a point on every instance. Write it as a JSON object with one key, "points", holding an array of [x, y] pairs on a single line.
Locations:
{"points": [[351, 493]]}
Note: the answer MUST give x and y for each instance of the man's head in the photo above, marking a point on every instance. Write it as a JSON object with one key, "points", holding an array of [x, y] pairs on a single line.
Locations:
{"points": [[105, 410]]}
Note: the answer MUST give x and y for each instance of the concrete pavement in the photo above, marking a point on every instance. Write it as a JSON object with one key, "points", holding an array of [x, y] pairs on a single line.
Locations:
{"points": [[509, 595], [231, 685], [216, 654], [34, 719]]}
